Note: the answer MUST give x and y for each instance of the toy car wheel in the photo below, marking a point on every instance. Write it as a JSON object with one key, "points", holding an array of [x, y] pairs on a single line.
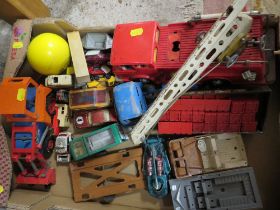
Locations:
{"points": [[107, 199], [47, 147], [107, 76], [47, 187]]}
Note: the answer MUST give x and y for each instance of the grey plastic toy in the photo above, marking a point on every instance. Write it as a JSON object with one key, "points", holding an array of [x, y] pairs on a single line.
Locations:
{"points": [[97, 41], [226, 190]]}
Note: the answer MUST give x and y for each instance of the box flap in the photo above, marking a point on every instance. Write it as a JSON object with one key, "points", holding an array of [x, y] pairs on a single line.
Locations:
{"points": [[18, 47]]}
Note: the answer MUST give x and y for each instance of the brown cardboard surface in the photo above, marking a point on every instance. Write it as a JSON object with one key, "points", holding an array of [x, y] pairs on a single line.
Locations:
{"points": [[57, 203], [21, 35], [263, 153], [25, 199]]}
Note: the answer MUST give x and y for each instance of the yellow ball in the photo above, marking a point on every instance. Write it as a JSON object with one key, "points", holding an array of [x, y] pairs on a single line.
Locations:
{"points": [[48, 54]]}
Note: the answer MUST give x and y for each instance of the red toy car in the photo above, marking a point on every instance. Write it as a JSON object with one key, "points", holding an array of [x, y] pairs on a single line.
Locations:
{"points": [[146, 50], [86, 119]]}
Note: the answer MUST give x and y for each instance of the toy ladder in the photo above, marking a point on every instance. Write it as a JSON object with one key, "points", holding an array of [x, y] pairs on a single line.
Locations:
{"points": [[222, 34]]}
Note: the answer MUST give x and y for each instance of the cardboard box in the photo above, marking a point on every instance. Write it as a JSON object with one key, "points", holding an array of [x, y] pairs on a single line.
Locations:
{"points": [[61, 195]]}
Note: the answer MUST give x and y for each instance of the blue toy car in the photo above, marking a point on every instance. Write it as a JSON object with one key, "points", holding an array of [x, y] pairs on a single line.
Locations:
{"points": [[130, 102], [156, 167]]}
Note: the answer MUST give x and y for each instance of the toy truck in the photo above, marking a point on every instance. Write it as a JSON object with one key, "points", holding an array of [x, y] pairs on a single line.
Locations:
{"points": [[166, 48], [59, 81], [95, 141], [32, 142], [156, 167], [91, 118], [62, 147], [130, 102], [90, 98]]}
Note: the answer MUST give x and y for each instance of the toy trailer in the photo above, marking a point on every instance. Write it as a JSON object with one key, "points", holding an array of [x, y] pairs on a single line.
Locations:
{"points": [[95, 141], [202, 154], [90, 98], [197, 112], [231, 189]]}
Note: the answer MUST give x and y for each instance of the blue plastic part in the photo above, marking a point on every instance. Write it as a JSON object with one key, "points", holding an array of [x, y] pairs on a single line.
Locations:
{"points": [[130, 102], [23, 140], [30, 99], [153, 147], [41, 127]]}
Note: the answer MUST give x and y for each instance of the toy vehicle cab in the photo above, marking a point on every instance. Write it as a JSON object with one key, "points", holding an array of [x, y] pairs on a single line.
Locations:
{"points": [[130, 102]]}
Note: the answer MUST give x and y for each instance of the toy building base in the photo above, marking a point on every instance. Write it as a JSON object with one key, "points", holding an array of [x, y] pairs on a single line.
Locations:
{"points": [[202, 154], [232, 189], [106, 175], [46, 178]]}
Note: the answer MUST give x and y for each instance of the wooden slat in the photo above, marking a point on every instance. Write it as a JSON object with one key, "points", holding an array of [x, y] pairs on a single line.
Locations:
{"points": [[11, 10], [78, 57]]}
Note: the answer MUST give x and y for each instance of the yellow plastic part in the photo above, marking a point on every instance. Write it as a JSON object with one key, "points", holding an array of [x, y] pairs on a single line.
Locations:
{"points": [[1, 188], [102, 82], [236, 43], [48, 54]]}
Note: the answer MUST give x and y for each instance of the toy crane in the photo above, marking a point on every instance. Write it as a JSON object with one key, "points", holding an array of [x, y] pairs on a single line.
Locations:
{"points": [[221, 41]]}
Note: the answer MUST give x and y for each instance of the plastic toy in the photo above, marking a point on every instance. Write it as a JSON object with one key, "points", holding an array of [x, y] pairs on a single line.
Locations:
{"points": [[48, 54], [231, 189], [63, 115], [87, 119], [112, 178], [59, 81], [62, 147], [213, 111], [97, 41], [102, 81], [156, 167], [202, 154], [89, 98], [167, 48], [95, 141], [225, 32], [31, 139], [130, 102], [62, 96], [28, 100], [97, 58], [31, 147]]}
